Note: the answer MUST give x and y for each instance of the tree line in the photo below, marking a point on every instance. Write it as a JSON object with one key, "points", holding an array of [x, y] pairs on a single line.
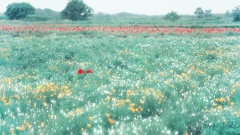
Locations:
{"points": [[77, 10]]}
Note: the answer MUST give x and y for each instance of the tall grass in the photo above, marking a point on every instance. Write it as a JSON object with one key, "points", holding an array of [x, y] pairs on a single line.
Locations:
{"points": [[154, 85]]}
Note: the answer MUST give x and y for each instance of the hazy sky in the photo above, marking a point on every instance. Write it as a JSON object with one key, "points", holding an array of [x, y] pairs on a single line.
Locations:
{"points": [[149, 7]]}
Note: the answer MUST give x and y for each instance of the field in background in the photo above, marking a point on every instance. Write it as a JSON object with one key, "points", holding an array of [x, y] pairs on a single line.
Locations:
{"points": [[131, 20], [142, 83]]}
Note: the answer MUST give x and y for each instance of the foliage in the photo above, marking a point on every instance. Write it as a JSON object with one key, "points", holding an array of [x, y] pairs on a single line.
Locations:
{"points": [[208, 13], [172, 16], [47, 12], [199, 12], [236, 13], [3, 18], [19, 10], [76, 10], [38, 18]]}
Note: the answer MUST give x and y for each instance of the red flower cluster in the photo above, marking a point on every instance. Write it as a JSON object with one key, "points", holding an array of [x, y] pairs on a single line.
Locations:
{"points": [[81, 71], [89, 71], [121, 29]]}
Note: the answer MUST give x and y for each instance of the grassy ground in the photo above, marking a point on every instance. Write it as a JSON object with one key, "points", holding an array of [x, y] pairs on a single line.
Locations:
{"points": [[169, 84]]}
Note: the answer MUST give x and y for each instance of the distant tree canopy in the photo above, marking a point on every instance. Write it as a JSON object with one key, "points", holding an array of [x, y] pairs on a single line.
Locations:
{"points": [[19, 10], [172, 16], [208, 13], [236, 13], [47, 12], [227, 14], [76, 10], [199, 12]]}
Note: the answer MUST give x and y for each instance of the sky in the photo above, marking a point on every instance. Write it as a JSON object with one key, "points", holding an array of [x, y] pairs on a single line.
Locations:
{"points": [[147, 7]]}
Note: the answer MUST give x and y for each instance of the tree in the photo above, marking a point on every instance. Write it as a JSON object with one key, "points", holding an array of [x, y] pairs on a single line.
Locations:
{"points": [[172, 16], [76, 10], [236, 13], [227, 14], [199, 12], [19, 10], [208, 13]]}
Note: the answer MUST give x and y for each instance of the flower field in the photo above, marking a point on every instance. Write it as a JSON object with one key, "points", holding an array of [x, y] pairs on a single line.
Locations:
{"points": [[66, 84], [115, 29]]}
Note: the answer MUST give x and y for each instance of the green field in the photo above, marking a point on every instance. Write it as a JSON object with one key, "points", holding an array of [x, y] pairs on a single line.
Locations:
{"points": [[166, 84]]}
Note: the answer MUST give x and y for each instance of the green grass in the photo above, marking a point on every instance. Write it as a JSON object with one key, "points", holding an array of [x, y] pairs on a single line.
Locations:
{"points": [[155, 85]]}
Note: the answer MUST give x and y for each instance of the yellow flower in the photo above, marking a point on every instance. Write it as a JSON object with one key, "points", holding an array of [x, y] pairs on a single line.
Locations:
{"points": [[233, 92], [111, 121], [108, 115], [78, 110], [42, 124], [28, 125], [45, 104], [221, 100], [232, 104], [21, 128], [89, 125], [140, 108], [219, 107], [70, 114], [90, 118], [108, 98], [16, 96], [136, 109], [52, 116], [82, 129], [132, 105], [127, 100], [141, 102], [161, 73], [133, 110], [226, 70]]}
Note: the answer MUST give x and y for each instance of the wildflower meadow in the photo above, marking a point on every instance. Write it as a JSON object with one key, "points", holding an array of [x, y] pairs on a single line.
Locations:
{"points": [[119, 80]]}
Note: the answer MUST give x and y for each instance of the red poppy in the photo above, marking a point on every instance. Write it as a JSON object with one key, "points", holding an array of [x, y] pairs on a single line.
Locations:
{"points": [[80, 71], [89, 71]]}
